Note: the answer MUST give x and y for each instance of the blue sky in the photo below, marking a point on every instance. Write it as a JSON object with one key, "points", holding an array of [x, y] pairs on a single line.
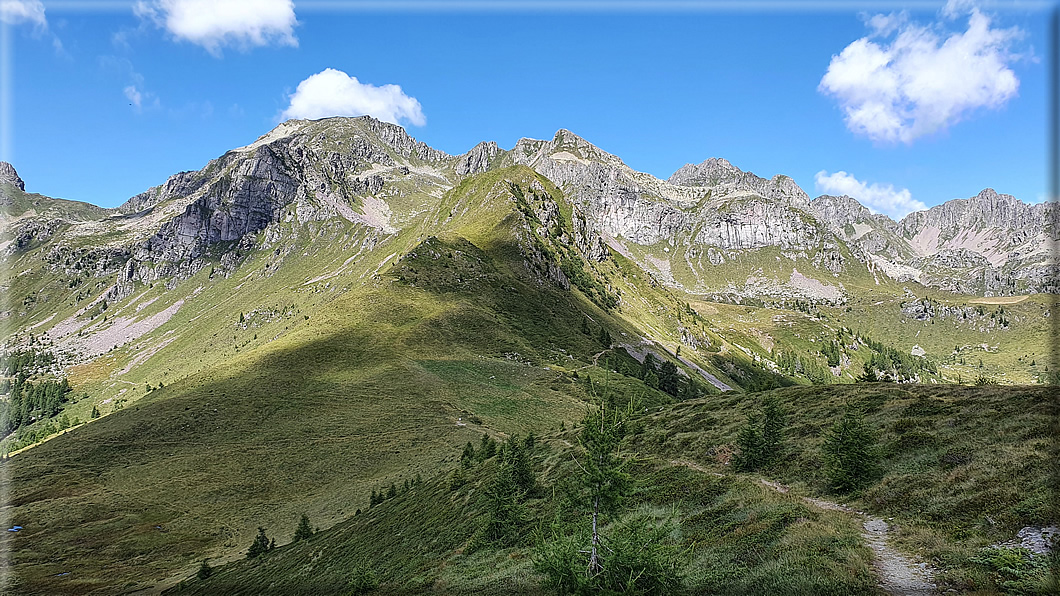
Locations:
{"points": [[900, 106]]}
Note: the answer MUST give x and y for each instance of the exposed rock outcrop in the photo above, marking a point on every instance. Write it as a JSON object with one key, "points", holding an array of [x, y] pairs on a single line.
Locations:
{"points": [[719, 173], [479, 159], [8, 175]]}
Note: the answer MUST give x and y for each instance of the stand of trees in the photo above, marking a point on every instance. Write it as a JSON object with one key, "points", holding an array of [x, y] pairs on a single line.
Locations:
{"points": [[32, 401]]}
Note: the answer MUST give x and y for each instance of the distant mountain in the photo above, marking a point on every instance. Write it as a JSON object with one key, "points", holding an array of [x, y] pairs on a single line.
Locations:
{"points": [[683, 229], [337, 306]]}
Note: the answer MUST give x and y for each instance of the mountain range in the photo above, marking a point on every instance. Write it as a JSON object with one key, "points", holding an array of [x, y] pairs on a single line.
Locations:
{"points": [[337, 306], [705, 215]]}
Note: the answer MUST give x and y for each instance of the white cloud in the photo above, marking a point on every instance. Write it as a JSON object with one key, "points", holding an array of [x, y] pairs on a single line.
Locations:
{"points": [[334, 93], [16, 12], [955, 8], [917, 80], [134, 96], [214, 24], [877, 197]]}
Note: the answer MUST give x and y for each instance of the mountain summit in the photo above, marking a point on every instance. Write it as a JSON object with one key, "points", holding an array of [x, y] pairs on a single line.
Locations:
{"points": [[373, 173], [337, 309], [8, 175]]}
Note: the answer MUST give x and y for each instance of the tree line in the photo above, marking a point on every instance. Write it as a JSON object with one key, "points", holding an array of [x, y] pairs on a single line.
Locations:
{"points": [[32, 401]]}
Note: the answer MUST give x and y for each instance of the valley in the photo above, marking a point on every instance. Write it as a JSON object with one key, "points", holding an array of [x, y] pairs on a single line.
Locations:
{"points": [[338, 308]]}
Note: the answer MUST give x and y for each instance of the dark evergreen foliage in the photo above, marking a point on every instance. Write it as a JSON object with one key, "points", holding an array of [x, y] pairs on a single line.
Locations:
{"points": [[260, 546], [850, 452], [761, 440], [304, 530]]}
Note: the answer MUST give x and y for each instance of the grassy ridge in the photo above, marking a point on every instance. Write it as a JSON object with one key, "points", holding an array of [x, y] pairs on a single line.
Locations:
{"points": [[734, 537], [376, 386], [380, 367], [972, 466]]}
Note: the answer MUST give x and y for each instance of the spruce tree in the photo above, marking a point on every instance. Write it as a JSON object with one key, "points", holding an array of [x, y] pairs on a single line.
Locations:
{"points": [[604, 471], [304, 530], [260, 545], [504, 507], [605, 337], [467, 458], [772, 430], [749, 443], [515, 456], [487, 448], [668, 378], [850, 452], [761, 440], [648, 366], [651, 380]]}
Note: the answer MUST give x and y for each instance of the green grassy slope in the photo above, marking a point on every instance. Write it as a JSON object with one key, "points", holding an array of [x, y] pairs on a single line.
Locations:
{"points": [[301, 375], [962, 468], [378, 384]]}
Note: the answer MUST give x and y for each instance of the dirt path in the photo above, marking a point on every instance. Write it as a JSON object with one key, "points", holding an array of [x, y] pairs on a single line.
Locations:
{"points": [[899, 575]]}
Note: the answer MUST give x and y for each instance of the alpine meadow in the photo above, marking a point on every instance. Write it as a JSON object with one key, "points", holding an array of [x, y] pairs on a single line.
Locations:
{"points": [[339, 360]]}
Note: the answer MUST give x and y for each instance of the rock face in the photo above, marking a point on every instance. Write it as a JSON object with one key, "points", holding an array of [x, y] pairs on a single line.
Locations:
{"points": [[990, 243], [866, 233], [179, 185], [479, 159], [235, 205], [706, 216], [720, 174], [8, 175]]}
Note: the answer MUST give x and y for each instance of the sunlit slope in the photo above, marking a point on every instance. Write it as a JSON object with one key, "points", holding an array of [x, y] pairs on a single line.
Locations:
{"points": [[391, 372], [960, 468]]}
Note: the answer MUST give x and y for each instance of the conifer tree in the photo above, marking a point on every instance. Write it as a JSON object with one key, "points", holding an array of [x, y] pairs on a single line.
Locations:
{"points": [[260, 546], [604, 470], [504, 506], [648, 366], [304, 530], [467, 458], [761, 440], [668, 378], [605, 337], [651, 380], [487, 447], [850, 452]]}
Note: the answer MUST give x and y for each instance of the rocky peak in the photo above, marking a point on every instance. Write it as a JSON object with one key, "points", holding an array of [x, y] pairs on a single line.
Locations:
{"points": [[399, 140], [988, 208], [711, 172], [478, 159], [839, 210], [341, 131], [181, 184], [717, 172], [8, 175], [564, 147]]}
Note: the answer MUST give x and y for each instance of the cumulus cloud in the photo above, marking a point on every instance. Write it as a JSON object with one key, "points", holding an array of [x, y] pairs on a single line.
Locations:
{"points": [[16, 12], [905, 80], [134, 96], [214, 24], [334, 93], [877, 197]]}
